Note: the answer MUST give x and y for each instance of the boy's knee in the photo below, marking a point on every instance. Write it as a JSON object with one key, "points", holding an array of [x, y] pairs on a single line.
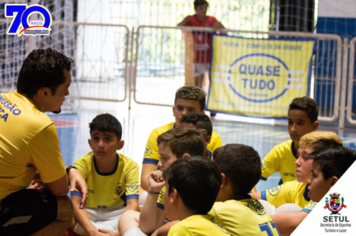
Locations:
{"points": [[129, 220], [64, 209]]}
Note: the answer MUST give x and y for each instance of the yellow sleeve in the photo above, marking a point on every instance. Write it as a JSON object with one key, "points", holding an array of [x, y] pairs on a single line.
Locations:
{"points": [[151, 155], [279, 195], [132, 184], [271, 163], [215, 142], [46, 155], [82, 166], [308, 208], [179, 230], [160, 200]]}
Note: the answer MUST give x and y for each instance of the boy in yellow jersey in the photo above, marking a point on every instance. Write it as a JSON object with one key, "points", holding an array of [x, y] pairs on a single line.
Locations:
{"points": [[327, 168], [29, 150], [187, 99], [199, 121], [234, 209], [302, 119], [112, 180], [296, 192], [192, 185], [173, 145]]}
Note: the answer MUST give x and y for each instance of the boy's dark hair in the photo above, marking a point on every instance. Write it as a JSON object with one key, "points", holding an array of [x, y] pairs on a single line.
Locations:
{"points": [[42, 68], [199, 3], [106, 123], [305, 104], [184, 140], [241, 164], [333, 161], [201, 121], [193, 93], [197, 180]]}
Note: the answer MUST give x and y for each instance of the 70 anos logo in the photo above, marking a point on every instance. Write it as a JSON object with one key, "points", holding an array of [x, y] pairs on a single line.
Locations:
{"points": [[20, 24]]}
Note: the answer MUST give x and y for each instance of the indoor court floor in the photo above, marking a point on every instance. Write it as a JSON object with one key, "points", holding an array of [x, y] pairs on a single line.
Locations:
{"points": [[73, 131]]}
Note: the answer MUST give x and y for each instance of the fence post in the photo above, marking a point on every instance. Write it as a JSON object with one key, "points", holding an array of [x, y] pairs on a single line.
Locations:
{"points": [[344, 81]]}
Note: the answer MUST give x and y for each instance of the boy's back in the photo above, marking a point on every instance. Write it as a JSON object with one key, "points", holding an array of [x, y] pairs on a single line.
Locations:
{"points": [[203, 225], [243, 217]]}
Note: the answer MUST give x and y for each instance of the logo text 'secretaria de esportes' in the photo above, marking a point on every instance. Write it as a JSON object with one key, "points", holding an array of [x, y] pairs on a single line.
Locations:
{"points": [[21, 23], [335, 222]]}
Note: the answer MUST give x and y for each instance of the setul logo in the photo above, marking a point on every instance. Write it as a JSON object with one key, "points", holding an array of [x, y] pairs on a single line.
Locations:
{"points": [[335, 206]]}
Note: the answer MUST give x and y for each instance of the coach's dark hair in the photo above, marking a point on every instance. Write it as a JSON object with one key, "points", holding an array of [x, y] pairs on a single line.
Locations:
{"points": [[197, 180], [305, 104], [241, 164], [200, 2], [200, 120], [184, 140], [106, 123], [42, 68], [333, 161]]}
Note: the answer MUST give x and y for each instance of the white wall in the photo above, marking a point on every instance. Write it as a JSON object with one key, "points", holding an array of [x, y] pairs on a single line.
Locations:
{"points": [[337, 8]]}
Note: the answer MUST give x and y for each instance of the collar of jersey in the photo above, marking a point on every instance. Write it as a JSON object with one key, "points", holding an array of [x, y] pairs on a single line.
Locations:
{"points": [[305, 194], [108, 173], [293, 151]]}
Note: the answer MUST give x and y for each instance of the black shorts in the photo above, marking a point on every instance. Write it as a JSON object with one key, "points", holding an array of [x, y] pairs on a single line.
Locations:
{"points": [[27, 211]]}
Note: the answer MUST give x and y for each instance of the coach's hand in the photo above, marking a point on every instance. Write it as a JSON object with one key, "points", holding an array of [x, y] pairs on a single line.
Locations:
{"points": [[156, 181], [76, 181]]}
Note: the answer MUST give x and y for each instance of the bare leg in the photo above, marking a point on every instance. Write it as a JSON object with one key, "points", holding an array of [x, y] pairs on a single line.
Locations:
{"points": [[198, 80], [130, 219], [61, 223]]}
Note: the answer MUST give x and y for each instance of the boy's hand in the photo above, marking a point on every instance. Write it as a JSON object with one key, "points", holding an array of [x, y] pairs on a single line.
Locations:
{"points": [[156, 181]]}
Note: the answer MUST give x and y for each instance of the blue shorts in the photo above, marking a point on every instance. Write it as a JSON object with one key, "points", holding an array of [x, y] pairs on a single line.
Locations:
{"points": [[27, 211]]}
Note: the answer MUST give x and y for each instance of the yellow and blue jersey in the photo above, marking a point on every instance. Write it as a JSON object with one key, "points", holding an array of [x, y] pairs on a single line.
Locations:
{"points": [[243, 217], [151, 155], [280, 159], [28, 143], [203, 225], [291, 192], [160, 200], [112, 189]]}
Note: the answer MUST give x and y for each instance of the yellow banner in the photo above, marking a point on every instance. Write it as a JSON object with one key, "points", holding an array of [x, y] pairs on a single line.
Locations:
{"points": [[258, 77]]}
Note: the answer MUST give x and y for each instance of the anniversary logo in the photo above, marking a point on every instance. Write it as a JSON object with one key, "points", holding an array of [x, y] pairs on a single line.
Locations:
{"points": [[335, 222]]}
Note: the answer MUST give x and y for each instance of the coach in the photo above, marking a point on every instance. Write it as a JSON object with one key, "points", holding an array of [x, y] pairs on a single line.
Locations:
{"points": [[29, 150]]}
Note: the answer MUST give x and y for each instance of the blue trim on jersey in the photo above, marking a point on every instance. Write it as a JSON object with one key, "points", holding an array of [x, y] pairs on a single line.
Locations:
{"points": [[305, 194], [160, 206], [76, 193], [108, 173], [174, 125], [150, 161], [263, 178], [280, 182], [132, 196], [264, 195], [306, 210], [293, 151], [210, 155]]}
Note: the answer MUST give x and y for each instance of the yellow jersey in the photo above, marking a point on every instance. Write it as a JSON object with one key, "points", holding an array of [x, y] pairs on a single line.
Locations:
{"points": [[28, 143], [244, 217], [202, 225], [281, 158], [112, 189], [160, 200], [151, 155], [291, 192]]}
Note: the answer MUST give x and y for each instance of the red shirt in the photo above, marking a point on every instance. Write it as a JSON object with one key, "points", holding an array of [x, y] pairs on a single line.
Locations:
{"points": [[202, 40]]}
